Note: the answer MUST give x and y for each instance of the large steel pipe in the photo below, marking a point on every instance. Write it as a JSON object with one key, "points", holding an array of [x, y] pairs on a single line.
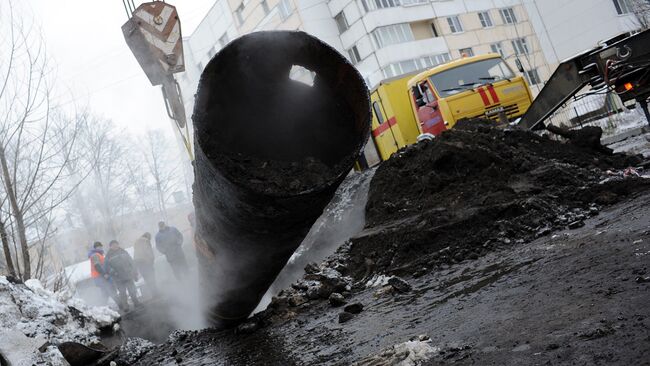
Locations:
{"points": [[270, 153]]}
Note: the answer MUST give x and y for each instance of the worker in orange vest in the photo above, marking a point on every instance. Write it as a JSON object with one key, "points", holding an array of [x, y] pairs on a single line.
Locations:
{"points": [[100, 275]]}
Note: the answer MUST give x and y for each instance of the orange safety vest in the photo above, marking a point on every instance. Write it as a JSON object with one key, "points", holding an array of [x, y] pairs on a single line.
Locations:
{"points": [[93, 271]]}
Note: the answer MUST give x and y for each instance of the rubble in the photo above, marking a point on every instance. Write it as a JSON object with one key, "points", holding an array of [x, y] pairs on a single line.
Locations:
{"points": [[345, 316], [355, 308], [31, 315], [399, 284], [642, 279], [336, 300]]}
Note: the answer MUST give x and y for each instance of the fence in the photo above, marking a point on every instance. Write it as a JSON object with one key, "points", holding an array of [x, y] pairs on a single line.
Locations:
{"points": [[604, 110]]}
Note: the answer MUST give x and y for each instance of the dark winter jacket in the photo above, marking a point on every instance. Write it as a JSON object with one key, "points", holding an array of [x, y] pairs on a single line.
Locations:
{"points": [[169, 242], [119, 265]]}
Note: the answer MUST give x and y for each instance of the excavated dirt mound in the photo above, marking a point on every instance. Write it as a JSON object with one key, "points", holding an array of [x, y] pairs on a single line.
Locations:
{"points": [[477, 187]]}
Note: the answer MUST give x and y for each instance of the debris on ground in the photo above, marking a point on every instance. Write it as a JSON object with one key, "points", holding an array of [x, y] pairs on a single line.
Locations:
{"points": [[337, 299], [410, 353], [355, 308], [399, 284], [42, 316]]}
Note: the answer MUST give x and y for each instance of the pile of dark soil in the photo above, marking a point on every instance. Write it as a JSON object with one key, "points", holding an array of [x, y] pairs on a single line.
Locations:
{"points": [[476, 187]]}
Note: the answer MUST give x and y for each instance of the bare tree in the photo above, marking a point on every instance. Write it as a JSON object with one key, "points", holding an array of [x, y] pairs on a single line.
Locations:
{"points": [[163, 167], [34, 148], [6, 249]]}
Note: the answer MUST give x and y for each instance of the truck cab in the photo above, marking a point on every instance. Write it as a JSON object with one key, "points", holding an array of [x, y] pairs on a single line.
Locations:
{"points": [[472, 87]]}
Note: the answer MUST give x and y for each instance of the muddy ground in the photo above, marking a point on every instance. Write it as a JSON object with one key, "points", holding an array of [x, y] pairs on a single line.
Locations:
{"points": [[569, 298], [514, 250]]}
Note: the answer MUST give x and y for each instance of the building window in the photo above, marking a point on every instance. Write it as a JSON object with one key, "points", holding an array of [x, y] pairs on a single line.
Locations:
{"points": [[403, 67], [212, 52], [392, 34], [414, 2], [532, 76], [285, 9], [466, 52], [265, 7], [353, 52], [341, 22], [377, 109], [497, 48], [623, 7], [486, 20], [435, 60], [200, 66], [520, 46], [369, 5], [454, 24], [238, 14], [434, 30], [223, 41], [508, 16]]}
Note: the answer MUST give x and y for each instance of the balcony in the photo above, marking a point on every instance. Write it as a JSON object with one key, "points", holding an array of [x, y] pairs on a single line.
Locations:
{"points": [[410, 50], [399, 14]]}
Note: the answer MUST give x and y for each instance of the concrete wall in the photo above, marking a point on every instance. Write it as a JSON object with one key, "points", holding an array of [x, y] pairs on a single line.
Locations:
{"points": [[566, 28]]}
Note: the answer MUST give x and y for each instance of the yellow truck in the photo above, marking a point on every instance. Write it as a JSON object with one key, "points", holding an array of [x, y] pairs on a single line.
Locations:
{"points": [[434, 100]]}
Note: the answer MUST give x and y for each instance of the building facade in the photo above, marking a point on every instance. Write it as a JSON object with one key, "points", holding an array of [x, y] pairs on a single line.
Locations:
{"points": [[565, 28], [386, 38]]}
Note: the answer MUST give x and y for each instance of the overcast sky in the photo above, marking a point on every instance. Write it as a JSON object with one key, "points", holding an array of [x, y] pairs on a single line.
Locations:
{"points": [[95, 67]]}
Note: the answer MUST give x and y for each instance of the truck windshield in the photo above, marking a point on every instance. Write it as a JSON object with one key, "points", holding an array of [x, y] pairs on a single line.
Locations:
{"points": [[465, 77]]}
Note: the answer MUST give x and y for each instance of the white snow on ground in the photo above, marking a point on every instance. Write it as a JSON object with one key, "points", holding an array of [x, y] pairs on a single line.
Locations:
{"points": [[133, 349], [410, 353], [634, 145], [621, 122], [41, 315], [19, 350], [378, 280]]}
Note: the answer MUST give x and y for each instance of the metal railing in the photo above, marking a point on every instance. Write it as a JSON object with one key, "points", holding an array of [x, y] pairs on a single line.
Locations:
{"points": [[603, 110]]}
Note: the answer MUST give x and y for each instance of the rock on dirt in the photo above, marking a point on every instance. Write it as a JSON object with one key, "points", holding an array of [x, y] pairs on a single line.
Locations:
{"points": [[336, 299], [345, 316], [355, 308], [399, 284]]}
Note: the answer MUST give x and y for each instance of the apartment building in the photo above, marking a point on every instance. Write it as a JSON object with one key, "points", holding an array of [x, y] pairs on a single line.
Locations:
{"points": [[386, 38], [565, 28], [506, 30]]}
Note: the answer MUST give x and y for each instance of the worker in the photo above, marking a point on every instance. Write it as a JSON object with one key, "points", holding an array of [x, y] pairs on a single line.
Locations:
{"points": [[143, 257], [120, 267], [169, 241], [99, 275]]}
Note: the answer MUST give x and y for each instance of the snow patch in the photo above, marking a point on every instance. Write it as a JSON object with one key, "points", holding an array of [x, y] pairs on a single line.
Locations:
{"points": [[20, 350], [410, 353], [378, 280], [133, 349], [32, 315]]}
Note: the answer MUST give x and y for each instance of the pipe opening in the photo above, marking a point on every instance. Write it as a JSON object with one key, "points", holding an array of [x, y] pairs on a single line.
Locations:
{"points": [[303, 75], [265, 125]]}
